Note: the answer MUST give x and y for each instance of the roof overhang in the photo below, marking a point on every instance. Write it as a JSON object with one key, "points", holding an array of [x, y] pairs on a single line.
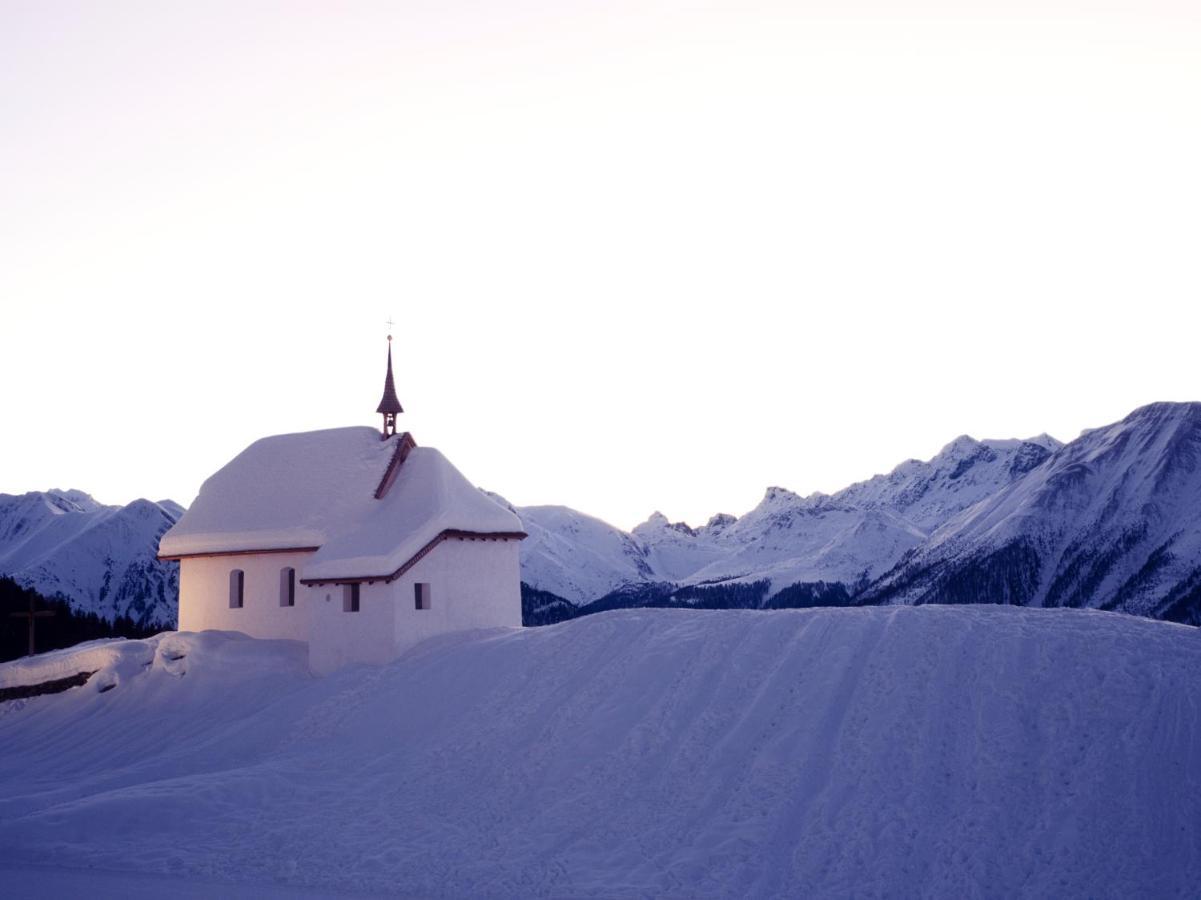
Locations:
{"points": [[448, 534], [175, 557]]}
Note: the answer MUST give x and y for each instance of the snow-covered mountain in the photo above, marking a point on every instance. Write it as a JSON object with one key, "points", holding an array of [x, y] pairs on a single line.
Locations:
{"points": [[575, 556], [850, 538], [1112, 520], [99, 558], [961, 475], [886, 752]]}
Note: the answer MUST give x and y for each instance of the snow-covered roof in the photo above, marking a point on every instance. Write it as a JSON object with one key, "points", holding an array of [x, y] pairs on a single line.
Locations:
{"points": [[317, 490]]}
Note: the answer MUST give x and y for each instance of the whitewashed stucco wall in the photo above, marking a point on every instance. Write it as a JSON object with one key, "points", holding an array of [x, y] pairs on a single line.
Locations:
{"points": [[474, 583], [204, 596], [338, 638]]}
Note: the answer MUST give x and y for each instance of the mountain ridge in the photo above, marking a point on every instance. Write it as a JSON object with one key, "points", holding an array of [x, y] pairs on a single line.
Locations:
{"points": [[98, 558], [1029, 522], [851, 537], [1112, 520], [1109, 519]]}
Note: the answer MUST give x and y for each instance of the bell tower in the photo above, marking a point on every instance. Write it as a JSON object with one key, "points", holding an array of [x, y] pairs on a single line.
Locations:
{"points": [[389, 405]]}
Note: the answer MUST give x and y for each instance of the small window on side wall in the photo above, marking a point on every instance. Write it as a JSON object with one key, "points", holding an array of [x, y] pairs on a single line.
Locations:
{"points": [[421, 595], [237, 584], [350, 598], [287, 586]]}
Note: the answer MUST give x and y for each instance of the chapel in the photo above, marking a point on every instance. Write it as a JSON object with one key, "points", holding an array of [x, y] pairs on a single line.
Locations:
{"points": [[356, 541]]}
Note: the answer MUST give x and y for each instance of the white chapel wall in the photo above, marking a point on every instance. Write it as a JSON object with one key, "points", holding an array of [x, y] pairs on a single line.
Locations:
{"points": [[204, 596], [473, 584], [338, 638]]}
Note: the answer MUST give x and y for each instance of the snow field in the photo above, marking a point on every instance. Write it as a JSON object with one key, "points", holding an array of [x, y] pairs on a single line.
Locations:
{"points": [[930, 751]]}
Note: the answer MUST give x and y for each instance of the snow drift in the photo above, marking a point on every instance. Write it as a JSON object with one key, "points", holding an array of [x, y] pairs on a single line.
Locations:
{"points": [[927, 751]]}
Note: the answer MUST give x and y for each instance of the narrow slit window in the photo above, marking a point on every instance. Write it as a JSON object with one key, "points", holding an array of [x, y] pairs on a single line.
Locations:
{"points": [[287, 586], [350, 598], [421, 595], [237, 584]]}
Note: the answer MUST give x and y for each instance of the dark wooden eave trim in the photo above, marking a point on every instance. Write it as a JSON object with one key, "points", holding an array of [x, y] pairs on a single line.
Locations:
{"points": [[450, 533], [178, 556], [404, 444]]}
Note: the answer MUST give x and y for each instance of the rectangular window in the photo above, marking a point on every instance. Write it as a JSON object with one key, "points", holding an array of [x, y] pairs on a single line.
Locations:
{"points": [[287, 586], [350, 598], [237, 584], [421, 595]]}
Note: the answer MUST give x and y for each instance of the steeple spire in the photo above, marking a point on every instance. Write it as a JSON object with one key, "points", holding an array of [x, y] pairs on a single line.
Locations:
{"points": [[389, 405]]}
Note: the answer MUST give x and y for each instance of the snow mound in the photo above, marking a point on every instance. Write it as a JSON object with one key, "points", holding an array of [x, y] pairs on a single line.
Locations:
{"points": [[117, 660], [926, 751]]}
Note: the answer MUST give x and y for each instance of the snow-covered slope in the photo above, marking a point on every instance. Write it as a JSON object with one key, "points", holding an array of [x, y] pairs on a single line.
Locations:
{"points": [[100, 558], [850, 538], [930, 751], [1113, 519]]}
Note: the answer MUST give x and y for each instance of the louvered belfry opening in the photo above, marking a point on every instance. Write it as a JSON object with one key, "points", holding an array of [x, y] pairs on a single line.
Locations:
{"points": [[389, 405]]}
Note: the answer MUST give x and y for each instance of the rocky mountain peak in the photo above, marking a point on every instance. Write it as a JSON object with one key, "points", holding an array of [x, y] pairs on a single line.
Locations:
{"points": [[657, 523], [720, 523]]}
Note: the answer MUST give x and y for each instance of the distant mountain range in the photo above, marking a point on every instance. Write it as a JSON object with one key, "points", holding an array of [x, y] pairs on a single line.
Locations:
{"points": [[98, 558], [1111, 520]]}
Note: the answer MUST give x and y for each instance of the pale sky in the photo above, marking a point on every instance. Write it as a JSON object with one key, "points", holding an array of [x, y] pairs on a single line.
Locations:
{"points": [[641, 255]]}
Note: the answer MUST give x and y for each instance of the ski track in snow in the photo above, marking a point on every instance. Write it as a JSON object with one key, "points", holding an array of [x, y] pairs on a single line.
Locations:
{"points": [[928, 751]]}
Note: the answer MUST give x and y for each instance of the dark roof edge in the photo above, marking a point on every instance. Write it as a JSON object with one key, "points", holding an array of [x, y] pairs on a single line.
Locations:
{"points": [[404, 444], [172, 557]]}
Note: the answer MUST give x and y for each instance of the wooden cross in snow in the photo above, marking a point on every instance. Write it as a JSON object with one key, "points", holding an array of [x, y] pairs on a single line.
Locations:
{"points": [[33, 615]]}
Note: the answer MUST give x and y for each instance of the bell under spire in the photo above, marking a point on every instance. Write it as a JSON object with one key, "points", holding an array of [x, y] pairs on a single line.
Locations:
{"points": [[389, 405]]}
